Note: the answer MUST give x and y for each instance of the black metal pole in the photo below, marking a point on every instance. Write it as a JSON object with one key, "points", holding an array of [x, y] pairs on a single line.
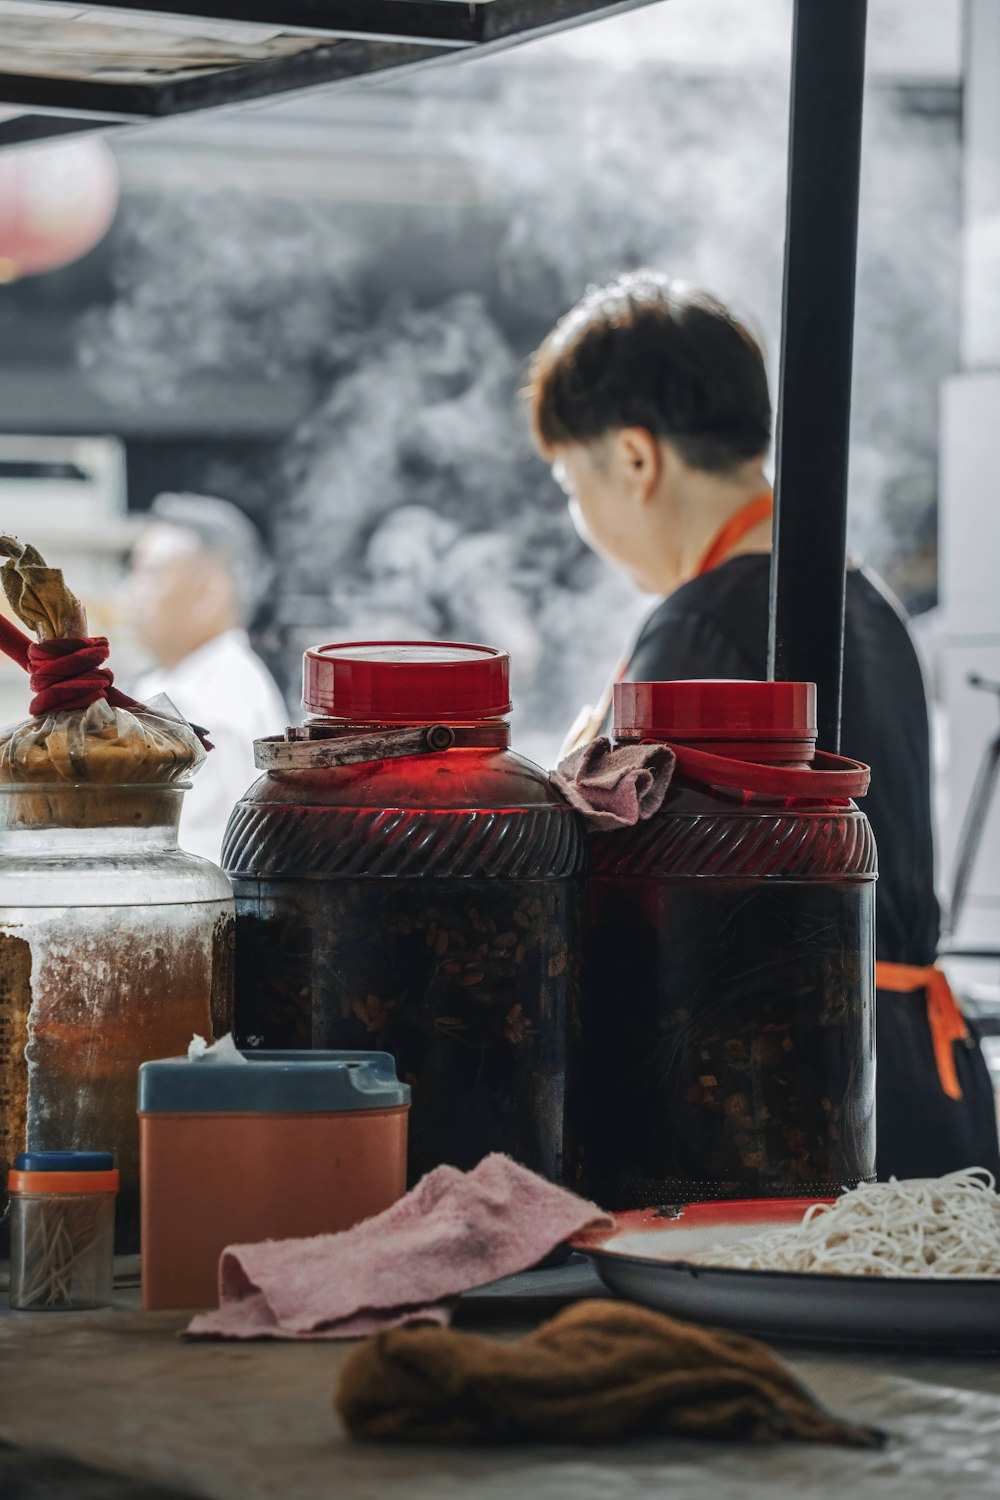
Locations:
{"points": [[814, 400]]}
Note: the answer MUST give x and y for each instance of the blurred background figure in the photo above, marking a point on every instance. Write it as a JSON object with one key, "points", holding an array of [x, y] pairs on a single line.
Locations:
{"points": [[197, 574]]}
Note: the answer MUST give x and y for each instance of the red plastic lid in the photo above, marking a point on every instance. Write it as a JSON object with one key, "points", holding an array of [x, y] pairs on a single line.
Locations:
{"points": [[699, 710], [406, 682], [743, 735]]}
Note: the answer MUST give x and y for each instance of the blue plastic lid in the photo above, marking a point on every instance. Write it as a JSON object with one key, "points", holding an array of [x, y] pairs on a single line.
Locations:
{"points": [[64, 1161], [274, 1083]]}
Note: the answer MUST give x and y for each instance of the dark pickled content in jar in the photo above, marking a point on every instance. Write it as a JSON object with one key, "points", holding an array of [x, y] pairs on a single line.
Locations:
{"points": [[426, 901], [472, 985], [730, 1011]]}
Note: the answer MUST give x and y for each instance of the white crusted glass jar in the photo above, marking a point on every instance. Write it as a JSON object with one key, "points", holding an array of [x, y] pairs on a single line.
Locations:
{"points": [[115, 946]]}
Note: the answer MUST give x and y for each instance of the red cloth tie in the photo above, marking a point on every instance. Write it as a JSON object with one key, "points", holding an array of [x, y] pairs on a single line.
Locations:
{"points": [[65, 673], [69, 673]]}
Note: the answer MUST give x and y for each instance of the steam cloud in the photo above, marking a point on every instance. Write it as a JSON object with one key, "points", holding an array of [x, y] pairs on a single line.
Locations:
{"points": [[409, 503]]}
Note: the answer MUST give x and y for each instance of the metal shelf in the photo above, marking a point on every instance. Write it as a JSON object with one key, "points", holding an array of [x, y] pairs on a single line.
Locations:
{"points": [[67, 68]]}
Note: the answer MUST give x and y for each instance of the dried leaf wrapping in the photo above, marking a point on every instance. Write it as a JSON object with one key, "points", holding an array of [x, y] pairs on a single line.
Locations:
{"points": [[102, 743], [38, 594]]}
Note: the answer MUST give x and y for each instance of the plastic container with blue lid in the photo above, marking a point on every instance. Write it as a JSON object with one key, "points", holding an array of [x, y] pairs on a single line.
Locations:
{"points": [[256, 1146], [273, 1083]]}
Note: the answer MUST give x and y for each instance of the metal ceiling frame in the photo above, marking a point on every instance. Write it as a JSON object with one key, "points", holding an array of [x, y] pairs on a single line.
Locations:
{"points": [[366, 37]]}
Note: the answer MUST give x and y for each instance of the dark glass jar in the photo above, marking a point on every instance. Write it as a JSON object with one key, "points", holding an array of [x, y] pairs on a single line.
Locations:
{"points": [[730, 1019], [425, 901]]}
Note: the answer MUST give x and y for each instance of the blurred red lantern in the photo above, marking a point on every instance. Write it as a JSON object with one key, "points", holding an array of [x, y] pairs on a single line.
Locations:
{"points": [[56, 203]]}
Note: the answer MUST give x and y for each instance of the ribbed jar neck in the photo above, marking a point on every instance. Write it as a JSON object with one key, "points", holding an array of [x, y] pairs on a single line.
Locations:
{"points": [[87, 820]]}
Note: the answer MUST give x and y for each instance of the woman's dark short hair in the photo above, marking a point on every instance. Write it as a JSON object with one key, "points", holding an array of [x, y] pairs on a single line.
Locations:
{"points": [[645, 351]]}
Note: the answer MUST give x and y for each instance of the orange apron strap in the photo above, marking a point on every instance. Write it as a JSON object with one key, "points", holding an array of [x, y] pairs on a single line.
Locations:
{"points": [[735, 529], [946, 1021]]}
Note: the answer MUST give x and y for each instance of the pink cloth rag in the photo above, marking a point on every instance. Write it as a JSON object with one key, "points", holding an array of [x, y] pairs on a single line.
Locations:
{"points": [[615, 788], [454, 1231]]}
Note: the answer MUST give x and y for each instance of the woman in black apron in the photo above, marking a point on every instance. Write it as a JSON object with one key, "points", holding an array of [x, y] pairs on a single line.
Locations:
{"points": [[650, 400]]}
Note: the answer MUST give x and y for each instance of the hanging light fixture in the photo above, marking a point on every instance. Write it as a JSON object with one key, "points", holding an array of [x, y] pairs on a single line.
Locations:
{"points": [[57, 202]]}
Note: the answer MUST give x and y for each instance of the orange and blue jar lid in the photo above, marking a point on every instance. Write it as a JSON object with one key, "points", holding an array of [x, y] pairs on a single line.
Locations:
{"points": [[63, 1172]]}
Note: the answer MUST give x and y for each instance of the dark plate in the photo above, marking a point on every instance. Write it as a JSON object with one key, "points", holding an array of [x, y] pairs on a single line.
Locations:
{"points": [[645, 1259]]}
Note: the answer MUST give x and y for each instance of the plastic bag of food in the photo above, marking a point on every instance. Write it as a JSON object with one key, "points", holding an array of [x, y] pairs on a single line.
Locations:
{"points": [[81, 729]]}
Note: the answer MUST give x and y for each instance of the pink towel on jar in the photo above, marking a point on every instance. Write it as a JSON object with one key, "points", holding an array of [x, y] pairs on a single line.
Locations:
{"points": [[615, 788], [454, 1231]]}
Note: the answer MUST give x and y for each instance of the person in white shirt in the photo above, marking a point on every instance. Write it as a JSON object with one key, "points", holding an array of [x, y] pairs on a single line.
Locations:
{"points": [[198, 572]]}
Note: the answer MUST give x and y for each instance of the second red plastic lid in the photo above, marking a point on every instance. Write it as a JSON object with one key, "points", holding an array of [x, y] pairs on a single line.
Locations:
{"points": [[716, 710], [406, 682]]}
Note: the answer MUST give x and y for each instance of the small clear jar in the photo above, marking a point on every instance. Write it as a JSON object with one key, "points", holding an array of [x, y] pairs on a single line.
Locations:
{"points": [[62, 1230]]}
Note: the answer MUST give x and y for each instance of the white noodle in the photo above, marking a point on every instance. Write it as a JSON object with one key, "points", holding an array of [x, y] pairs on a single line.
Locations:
{"points": [[924, 1226]]}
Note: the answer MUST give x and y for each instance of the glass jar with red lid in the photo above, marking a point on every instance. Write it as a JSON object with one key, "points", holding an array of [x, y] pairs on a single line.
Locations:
{"points": [[404, 881], [730, 1018]]}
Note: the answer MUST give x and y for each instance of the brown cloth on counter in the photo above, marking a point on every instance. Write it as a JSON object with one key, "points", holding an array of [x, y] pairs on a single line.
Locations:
{"points": [[599, 1372], [615, 788]]}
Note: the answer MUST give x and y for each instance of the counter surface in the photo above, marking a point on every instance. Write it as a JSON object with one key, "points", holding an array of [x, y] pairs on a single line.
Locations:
{"points": [[226, 1421]]}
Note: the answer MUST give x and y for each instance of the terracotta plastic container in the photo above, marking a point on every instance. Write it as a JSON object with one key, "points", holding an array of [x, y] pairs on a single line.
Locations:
{"points": [[730, 1020], [404, 880], [286, 1145]]}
